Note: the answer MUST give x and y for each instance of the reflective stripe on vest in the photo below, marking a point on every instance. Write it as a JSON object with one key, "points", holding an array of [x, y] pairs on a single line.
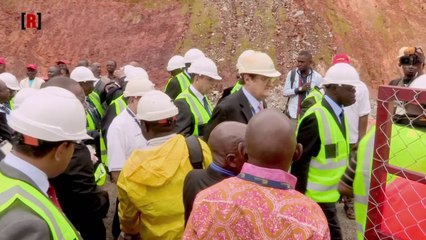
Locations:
{"points": [[326, 169], [12, 190], [119, 104], [100, 174], [316, 94], [184, 82], [104, 156], [236, 87], [362, 180], [199, 113], [90, 122], [95, 99], [12, 104]]}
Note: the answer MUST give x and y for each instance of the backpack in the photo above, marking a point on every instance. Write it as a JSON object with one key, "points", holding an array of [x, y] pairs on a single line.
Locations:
{"points": [[292, 77], [196, 156]]}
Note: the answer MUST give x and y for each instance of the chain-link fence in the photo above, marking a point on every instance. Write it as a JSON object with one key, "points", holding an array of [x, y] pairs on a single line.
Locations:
{"points": [[397, 194]]}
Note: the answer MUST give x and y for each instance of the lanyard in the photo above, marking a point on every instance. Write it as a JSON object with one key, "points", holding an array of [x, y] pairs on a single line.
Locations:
{"points": [[265, 182], [133, 116], [216, 168]]}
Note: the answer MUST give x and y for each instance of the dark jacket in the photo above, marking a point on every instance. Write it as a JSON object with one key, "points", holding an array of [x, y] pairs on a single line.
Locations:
{"points": [[308, 136], [196, 181], [5, 130], [234, 107], [173, 88], [81, 200]]}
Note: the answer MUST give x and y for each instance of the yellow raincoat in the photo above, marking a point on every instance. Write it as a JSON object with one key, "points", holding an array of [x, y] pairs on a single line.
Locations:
{"points": [[150, 189]]}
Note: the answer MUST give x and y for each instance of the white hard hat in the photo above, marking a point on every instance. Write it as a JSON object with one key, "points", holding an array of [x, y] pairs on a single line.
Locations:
{"points": [[176, 62], [137, 88], [193, 54], [258, 63], [83, 74], [206, 67], [10, 81], [156, 105], [244, 54], [135, 73], [342, 73], [51, 114], [23, 94], [419, 82]]}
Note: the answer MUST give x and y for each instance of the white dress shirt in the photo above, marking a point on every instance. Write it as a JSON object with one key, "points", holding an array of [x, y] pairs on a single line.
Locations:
{"points": [[293, 104], [35, 174], [199, 96], [124, 136], [254, 103]]}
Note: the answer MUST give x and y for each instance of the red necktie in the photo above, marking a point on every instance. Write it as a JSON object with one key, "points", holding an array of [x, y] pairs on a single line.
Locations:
{"points": [[52, 195]]}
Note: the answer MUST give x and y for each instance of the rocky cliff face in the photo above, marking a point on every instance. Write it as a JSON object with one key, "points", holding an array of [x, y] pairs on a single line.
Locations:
{"points": [[370, 31]]}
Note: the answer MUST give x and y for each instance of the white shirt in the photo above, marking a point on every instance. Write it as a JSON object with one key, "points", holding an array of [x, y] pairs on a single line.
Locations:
{"points": [[254, 103], [337, 109], [124, 136], [155, 142], [293, 104], [35, 174], [197, 94], [25, 83], [360, 108]]}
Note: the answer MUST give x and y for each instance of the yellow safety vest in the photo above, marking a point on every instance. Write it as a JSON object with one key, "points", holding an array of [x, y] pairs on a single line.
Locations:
{"points": [[12, 190], [326, 169], [100, 171], [12, 104], [236, 87], [119, 104], [313, 97], [405, 151], [199, 113], [183, 80], [95, 99]]}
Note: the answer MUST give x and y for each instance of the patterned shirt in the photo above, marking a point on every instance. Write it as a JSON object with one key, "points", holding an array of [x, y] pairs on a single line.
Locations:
{"points": [[240, 209]]}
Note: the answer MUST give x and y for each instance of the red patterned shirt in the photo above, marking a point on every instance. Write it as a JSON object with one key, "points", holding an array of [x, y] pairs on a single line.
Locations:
{"points": [[239, 209]]}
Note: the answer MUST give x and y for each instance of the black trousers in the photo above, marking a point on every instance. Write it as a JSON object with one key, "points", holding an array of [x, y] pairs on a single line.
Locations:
{"points": [[116, 223], [330, 213]]}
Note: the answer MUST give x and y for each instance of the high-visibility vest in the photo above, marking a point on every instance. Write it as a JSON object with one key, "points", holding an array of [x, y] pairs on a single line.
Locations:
{"points": [[100, 174], [236, 87], [104, 156], [95, 99], [119, 104], [405, 151], [315, 94], [326, 169], [90, 122], [12, 104], [183, 80], [199, 113], [362, 180], [100, 171], [12, 190]]}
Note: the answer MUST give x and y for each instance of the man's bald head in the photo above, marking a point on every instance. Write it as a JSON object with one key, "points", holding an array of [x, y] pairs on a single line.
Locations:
{"points": [[271, 141], [224, 142], [68, 84]]}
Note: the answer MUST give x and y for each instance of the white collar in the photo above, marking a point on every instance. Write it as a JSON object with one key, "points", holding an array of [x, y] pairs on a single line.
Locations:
{"points": [[155, 142], [197, 93], [254, 103], [35, 174]]}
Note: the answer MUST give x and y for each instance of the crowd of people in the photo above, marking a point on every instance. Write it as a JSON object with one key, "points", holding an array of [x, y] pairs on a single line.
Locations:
{"points": [[184, 167]]}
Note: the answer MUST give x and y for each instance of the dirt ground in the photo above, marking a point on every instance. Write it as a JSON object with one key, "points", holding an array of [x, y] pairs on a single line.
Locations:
{"points": [[348, 226]]}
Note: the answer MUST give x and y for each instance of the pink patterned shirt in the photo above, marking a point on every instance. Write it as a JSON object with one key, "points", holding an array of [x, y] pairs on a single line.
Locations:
{"points": [[239, 209]]}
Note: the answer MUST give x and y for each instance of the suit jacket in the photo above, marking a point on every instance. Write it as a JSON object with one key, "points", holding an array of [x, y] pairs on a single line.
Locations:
{"points": [[5, 131], [234, 107], [196, 181], [173, 88], [81, 200], [185, 119], [308, 136], [19, 221]]}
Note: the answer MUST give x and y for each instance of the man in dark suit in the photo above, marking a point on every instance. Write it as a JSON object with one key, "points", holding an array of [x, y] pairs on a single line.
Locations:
{"points": [[42, 149], [226, 145], [81, 200], [258, 72], [323, 132], [194, 107]]}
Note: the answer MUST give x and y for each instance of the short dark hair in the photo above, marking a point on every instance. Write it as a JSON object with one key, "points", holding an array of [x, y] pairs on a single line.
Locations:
{"points": [[43, 148], [305, 53]]}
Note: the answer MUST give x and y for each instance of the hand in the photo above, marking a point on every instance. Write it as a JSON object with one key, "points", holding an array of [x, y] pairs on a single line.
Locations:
{"points": [[125, 236], [306, 87]]}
